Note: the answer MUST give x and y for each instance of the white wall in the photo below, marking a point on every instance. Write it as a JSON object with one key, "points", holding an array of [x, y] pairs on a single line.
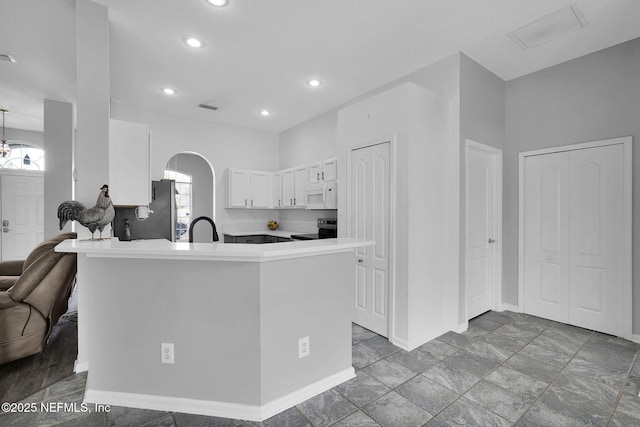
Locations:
{"points": [[309, 142], [58, 146], [32, 137], [223, 146], [317, 138], [482, 119], [419, 122], [92, 74], [590, 98]]}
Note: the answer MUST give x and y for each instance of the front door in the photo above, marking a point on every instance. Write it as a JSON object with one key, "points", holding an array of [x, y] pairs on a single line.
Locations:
{"points": [[370, 208], [22, 215], [481, 200]]}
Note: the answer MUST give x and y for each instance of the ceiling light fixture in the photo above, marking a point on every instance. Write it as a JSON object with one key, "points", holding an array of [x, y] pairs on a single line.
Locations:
{"points": [[193, 42], [218, 3], [314, 82], [168, 91], [4, 150], [265, 113]]}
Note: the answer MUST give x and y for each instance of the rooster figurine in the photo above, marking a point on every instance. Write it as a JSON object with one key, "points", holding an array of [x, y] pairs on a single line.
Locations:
{"points": [[94, 218]]}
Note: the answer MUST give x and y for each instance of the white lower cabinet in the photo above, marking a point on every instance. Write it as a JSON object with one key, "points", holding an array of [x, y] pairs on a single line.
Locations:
{"points": [[249, 189]]}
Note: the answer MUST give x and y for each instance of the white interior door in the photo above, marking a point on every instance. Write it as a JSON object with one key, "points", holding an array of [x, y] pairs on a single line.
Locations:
{"points": [[575, 226], [22, 215], [546, 234], [482, 194], [370, 208], [596, 230]]}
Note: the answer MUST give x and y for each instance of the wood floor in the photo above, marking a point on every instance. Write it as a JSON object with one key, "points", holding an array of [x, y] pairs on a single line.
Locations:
{"points": [[23, 377]]}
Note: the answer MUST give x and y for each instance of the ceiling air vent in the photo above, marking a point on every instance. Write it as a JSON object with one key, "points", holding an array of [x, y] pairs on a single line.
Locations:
{"points": [[209, 107], [549, 28], [7, 57]]}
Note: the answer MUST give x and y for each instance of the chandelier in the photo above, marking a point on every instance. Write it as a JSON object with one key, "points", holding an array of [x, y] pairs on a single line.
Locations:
{"points": [[4, 150]]}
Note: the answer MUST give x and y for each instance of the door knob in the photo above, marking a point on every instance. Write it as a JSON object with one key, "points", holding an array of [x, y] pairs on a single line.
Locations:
{"points": [[5, 222], [360, 260], [5, 229], [491, 240]]}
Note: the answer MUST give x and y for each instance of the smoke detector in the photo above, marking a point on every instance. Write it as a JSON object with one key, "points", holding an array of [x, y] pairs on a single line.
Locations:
{"points": [[550, 27]]}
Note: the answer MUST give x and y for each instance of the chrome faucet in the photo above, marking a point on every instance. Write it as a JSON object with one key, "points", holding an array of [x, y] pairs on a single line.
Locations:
{"points": [[215, 233]]}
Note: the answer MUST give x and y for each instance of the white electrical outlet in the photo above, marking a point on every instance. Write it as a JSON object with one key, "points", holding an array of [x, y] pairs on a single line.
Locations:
{"points": [[303, 347], [166, 352]]}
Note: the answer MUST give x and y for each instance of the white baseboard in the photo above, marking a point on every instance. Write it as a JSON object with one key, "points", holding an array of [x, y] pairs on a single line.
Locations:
{"points": [[400, 342], [80, 366], [509, 307], [214, 408], [461, 327], [409, 345]]}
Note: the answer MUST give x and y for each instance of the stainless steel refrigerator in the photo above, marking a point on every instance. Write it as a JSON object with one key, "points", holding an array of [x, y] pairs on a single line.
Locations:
{"points": [[161, 223]]}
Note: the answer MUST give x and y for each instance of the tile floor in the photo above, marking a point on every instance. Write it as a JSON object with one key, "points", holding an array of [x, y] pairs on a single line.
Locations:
{"points": [[506, 369]]}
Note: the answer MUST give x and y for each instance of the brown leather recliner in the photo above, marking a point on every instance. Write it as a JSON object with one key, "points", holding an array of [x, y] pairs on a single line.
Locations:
{"points": [[37, 298]]}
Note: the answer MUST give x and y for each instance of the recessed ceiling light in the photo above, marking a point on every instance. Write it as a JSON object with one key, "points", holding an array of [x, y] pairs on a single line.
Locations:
{"points": [[193, 42], [218, 3], [168, 91], [265, 112], [314, 82]]}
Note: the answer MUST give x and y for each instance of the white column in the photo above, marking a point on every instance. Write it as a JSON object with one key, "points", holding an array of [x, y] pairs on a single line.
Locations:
{"points": [[58, 146], [92, 76]]}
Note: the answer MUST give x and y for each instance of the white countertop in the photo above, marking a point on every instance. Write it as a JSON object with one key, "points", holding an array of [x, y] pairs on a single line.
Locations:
{"points": [[164, 249]]}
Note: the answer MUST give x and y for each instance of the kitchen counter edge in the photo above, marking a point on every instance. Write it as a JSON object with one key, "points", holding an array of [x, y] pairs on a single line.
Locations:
{"points": [[218, 251]]}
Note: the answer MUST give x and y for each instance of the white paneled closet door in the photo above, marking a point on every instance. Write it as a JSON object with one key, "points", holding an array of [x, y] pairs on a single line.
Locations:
{"points": [[596, 228], [546, 234], [574, 237], [369, 198]]}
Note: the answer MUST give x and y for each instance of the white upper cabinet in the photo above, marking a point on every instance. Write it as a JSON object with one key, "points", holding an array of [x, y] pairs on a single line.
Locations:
{"points": [[330, 170], [239, 188], [285, 188], [288, 188], [129, 163], [249, 189], [301, 181], [277, 189], [315, 172], [326, 170], [260, 189], [294, 186]]}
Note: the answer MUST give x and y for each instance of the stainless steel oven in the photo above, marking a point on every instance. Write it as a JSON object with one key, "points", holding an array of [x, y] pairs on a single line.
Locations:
{"points": [[327, 229]]}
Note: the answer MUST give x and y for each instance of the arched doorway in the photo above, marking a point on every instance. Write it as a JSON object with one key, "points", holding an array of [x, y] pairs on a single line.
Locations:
{"points": [[195, 192]]}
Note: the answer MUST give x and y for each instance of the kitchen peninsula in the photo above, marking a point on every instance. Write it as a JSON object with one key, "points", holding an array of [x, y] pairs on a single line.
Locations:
{"points": [[236, 317]]}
